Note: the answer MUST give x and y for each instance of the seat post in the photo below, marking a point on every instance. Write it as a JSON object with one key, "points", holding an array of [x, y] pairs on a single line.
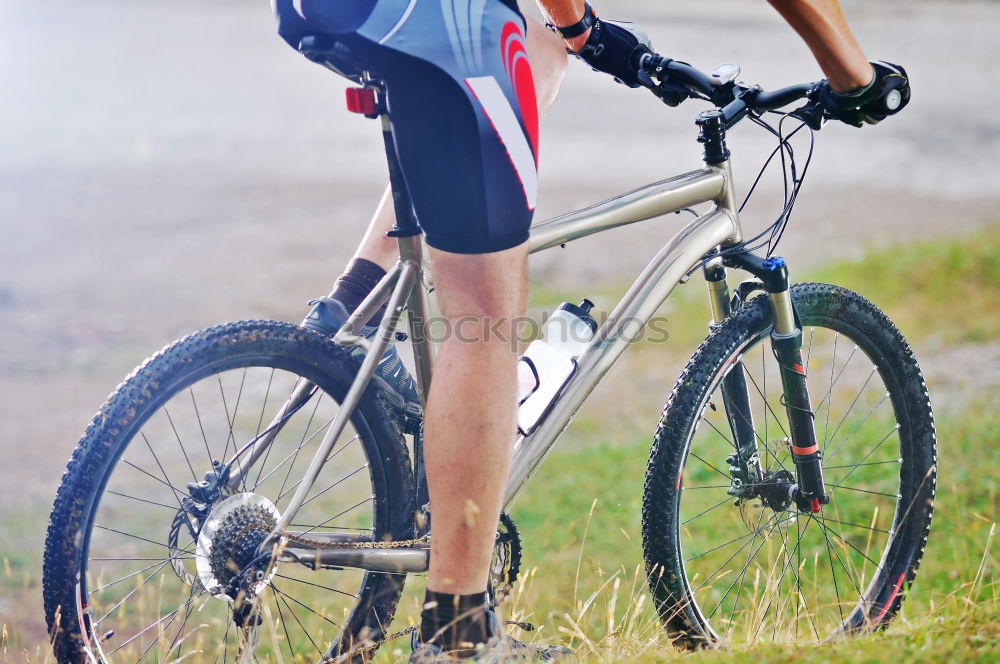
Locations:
{"points": [[406, 221]]}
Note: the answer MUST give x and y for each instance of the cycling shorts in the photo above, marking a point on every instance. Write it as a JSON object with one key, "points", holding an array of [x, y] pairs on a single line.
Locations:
{"points": [[461, 99]]}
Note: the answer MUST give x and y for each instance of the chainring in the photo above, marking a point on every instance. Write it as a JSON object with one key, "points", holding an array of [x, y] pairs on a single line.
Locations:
{"points": [[506, 560]]}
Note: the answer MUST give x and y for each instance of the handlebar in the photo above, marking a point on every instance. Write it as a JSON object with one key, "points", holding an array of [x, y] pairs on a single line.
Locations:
{"points": [[676, 81]]}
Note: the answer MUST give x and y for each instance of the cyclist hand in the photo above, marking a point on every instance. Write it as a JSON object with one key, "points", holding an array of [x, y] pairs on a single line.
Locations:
{"points": [[886, 95], [613, 48]]}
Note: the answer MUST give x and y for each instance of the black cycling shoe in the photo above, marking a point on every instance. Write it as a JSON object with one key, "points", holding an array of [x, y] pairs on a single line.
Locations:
{"points": [[328, 315], [501, 648]]}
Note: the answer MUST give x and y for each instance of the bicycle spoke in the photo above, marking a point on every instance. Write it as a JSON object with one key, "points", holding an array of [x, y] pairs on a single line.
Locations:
{"points": [[763, 397], [786, 559], [733, 555], [162, 470], [827, 529], [868, 491], [847, 523], [177, 635], [307, 608], [149, 627], [829, 453], [284, 623], [142, 539], [843, 418], [172, 508], [260, 424], [231, 437], [894, 462], [177, 437], [337, 483], [834, 381], [301, 444], [722, 502], [158, 564], [201, 426], [833, 366], [724, 437], [316, 585], [740, 576], [146, 472], [720, 546], [342, 513], [709, 465], [282, 596], [335, 452]]}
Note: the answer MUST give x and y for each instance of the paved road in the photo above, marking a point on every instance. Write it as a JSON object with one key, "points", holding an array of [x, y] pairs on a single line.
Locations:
{"points": [[166, 165]]}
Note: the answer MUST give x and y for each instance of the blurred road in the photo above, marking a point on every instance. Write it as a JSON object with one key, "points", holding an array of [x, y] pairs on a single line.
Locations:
{"points": [[168, 165]]}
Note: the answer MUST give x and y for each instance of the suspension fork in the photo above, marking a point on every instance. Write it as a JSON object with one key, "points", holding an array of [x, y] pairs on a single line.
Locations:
{"points": [[786, 344], [744, 464]]}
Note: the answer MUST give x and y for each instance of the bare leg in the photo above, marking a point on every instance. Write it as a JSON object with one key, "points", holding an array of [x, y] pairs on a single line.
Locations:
{"points": [[548, 63], [470, 420]]}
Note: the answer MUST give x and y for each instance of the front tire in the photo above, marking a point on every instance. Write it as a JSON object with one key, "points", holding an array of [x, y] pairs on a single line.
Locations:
{"points": [[120, 576], [723, 570]]}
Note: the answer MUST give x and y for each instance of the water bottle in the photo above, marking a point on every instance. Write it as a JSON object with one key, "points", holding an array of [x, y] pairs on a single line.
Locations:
{"points": [[549, 362]]}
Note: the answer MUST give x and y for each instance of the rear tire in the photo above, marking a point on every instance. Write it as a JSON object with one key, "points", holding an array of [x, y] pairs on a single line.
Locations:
{"points": [[720, 572], [108, 570]]}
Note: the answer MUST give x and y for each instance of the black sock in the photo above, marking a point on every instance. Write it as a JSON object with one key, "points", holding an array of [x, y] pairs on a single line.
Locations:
{"points": [[454, 623], [358, 280]]}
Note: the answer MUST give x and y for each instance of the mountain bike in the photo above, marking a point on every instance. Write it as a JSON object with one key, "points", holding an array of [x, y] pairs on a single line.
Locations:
{"points": [[250, 494]]}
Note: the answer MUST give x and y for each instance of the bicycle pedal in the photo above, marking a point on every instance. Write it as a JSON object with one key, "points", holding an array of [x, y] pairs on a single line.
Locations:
{"points": [[412, 418]]}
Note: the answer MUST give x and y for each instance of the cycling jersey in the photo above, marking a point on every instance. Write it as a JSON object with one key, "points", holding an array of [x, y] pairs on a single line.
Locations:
{"points": [[461, 99]]}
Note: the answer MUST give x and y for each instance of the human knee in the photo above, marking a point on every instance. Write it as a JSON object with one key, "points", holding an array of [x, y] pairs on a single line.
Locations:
{"points": [[481, 286]]}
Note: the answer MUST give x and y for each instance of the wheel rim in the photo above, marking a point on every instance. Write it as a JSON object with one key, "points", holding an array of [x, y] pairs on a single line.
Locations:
{"points": [[141, 587], [761, 571]]}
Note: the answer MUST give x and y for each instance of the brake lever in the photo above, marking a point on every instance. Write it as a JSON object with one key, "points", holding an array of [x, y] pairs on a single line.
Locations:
{"points": [[812, 113], [669, 94]]}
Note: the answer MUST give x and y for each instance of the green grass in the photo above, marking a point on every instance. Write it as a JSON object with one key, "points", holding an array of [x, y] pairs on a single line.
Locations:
{"points": [[951, 614], [580, 517], [944, 290]]}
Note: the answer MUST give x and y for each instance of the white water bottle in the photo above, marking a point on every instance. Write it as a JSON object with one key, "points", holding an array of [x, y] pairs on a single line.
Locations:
{"points": [[549, 362]]}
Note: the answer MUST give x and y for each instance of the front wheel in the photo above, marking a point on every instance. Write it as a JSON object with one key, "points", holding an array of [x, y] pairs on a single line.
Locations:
{"points": [[729, 562], [141, 566]]}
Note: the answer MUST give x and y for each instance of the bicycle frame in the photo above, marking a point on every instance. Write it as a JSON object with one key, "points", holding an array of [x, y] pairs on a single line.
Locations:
{"points": [[669, 267], [404, 285]]}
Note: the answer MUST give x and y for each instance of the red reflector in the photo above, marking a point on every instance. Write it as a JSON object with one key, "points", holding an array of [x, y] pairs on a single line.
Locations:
{"points": [[814, 505], [361, 100]]}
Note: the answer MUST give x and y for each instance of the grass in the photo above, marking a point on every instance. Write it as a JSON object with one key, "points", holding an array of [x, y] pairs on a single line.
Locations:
{"points": [[580, 518]]}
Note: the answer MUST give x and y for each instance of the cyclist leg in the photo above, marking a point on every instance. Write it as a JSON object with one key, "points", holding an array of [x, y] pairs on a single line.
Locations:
{"points": [[471, 173], [464, 115]]}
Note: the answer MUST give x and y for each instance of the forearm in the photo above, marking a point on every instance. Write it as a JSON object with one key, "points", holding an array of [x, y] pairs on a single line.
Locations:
{"points": [[562, 13], [822, 26]]}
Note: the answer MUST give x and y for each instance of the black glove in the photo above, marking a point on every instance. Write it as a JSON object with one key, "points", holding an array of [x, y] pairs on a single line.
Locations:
{"points": [[887, 94], [613, 47]]}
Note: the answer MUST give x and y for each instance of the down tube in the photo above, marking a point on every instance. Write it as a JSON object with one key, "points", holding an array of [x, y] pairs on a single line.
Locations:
{"points": [[636, 308]]}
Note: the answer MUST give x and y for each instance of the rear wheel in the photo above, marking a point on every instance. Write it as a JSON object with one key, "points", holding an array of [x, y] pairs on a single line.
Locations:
{"points": [[756, 568], [132, 576]]}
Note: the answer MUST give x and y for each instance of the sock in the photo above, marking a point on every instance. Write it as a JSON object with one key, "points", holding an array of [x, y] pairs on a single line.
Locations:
{"points": [[454, 623], [354, 285]]}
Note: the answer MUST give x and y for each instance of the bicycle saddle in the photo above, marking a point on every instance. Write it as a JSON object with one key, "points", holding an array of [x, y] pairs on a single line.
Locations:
{"points": [[332, 54]]}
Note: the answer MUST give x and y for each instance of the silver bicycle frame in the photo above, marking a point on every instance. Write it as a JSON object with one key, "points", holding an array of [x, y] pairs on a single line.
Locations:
{"points": [[671, 265], [719, 226]]}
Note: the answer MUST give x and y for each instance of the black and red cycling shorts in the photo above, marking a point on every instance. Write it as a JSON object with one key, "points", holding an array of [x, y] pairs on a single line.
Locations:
{"points": [[462, 102]]}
